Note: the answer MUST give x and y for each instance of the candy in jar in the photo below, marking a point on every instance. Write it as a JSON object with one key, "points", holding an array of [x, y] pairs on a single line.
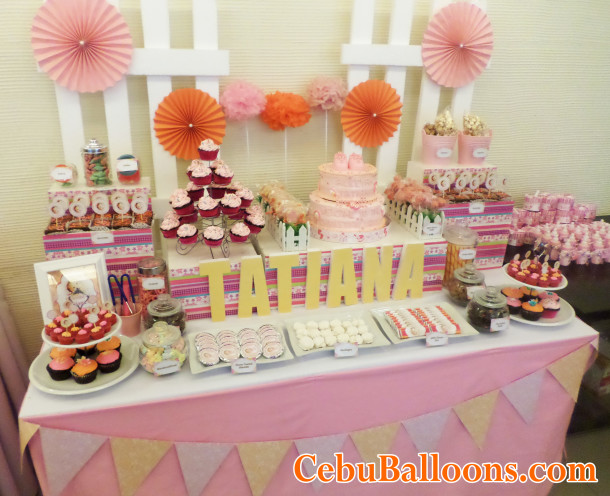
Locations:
{"points": [[461, 248], [163, 350], [152, 281], [128, 169], [95, 157]]}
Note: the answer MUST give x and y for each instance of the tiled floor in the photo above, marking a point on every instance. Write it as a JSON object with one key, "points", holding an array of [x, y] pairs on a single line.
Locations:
{"points": [[591, 446]]}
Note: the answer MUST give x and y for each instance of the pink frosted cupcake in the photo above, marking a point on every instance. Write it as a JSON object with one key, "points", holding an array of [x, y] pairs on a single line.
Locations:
{"points": [[213, 235], [229, 204], [255, 222], [202, 176], [246, 197], [216, 191], [188, 219], [195, 192], [182, 204], [223, 175], [208, 207], [187, 234], [194, 164], [216, 163], [208, 150], [551, 308], [169, 226], [239, 232]]}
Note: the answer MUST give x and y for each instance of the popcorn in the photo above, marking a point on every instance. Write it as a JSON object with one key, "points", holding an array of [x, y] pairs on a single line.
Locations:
{"points": [[474, 126], [443, 125]]}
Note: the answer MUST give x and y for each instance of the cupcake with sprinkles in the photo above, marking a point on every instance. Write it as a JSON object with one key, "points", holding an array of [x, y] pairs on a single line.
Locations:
{"points": [[170, 225], [239, 232], [229, 204], [213, 235], [255, 222], [208, 150], [208, 207], [187, 234]]}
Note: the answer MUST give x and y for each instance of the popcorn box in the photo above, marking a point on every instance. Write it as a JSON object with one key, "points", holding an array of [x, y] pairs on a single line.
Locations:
{"points": [[122, 249], [492, 221], [421, 172]]}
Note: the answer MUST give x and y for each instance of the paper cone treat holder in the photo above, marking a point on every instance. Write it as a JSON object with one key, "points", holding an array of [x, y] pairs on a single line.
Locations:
{"points": [[473, 150]]}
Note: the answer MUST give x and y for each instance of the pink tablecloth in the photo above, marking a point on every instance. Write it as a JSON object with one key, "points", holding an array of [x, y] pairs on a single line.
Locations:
{"points": [[338, 403]]}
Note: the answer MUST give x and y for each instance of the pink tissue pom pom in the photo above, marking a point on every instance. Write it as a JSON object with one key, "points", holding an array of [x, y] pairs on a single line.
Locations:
{"points": [[242, 101], [327, 93]]}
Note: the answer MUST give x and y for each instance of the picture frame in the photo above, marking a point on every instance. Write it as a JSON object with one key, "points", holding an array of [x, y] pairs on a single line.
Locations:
{"points": [[72, 284]]}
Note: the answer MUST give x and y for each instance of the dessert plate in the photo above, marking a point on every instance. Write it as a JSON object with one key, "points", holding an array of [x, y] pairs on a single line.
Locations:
{"points": [[563, 284], [378, 338], [565, 315], [465, 328], [40, 379], [113, 330], [197, 367]]}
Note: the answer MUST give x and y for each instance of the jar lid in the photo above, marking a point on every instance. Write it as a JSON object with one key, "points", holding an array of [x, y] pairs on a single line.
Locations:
{"points": [[490, 297], [164, 306], [151, 266], [460, 235], [161, 335], [469, 274], [94, 147]]}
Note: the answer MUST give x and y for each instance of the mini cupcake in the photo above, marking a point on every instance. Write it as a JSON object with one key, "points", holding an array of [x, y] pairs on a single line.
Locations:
{"points": [[239, 232], [223, 174], [532, 278], [208, 207], [109, 361], [59, 368], [182, 204], [62, 352], [216, 191], [531, 310], [195, 192], [208, 150], [105, 325], [255, 209], [49, 328], [82, 337], [86, 351], [187, 234], [188, 219], [551, 308], [229, 204], [514, 305], [512, 270], [520, 276], [108, 316], [97, 333], [213, 235], [543, 282], [169, 226], [255, 222], [56, 333], [246, 197], [114, 343], [84, 371], [512, 292], [74, 330], [202, 176], [555, 281], [194, 164]]}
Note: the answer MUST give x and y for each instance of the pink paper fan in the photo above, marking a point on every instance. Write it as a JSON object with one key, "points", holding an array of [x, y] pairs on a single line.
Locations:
{"points": [[457, 44], [83, 45]]}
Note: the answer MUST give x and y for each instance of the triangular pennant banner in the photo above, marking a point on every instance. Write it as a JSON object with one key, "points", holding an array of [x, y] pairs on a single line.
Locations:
{"points": [[523, 394], [63, 464], [260, 462], [26, 432], [425, 431], [134, 459], [569, 370], [374, 441], [199, 462], [324, 447], [476, 414]]}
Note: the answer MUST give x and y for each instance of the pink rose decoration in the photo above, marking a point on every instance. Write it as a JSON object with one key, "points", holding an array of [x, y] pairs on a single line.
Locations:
{"points": [[327, 93]]}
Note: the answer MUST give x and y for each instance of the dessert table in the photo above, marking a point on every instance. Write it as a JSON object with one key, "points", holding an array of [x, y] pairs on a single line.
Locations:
{"points": [[288, 406]]}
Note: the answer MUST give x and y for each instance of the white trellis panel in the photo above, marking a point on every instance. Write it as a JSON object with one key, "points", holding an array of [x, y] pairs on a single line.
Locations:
{"points": [[158, 62]]}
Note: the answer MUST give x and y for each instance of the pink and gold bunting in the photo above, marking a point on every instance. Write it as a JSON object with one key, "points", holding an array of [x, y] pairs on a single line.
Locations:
{"points": [[476, 414], [426, 430], [523, 394], [569, 370], [261, 461], [374, 441], [65, 453], [199, 462], [134, 459], [324, 447], [26, 432]]}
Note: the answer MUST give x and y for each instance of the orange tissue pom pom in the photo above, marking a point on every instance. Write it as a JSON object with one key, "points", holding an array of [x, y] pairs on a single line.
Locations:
{"points": [[285, 110]]}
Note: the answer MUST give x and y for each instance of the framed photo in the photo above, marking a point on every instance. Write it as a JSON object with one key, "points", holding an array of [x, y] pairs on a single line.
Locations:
{"points": [[72, 284]]}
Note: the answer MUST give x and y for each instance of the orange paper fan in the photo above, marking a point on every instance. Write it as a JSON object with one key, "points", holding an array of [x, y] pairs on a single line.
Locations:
{"points": [[185, 118], [371, 113], [457, 44], [83, 45]]}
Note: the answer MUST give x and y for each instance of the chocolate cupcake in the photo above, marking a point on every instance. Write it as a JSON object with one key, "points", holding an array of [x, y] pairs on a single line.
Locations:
{"points": [[85, 371], [531, 310], [59, 368], [109, 361]]}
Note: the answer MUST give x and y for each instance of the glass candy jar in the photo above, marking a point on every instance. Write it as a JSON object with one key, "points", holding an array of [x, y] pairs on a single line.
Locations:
{"points": [[488, 311], [163, 350], [97, 168], [466, 280], [166, 309]]}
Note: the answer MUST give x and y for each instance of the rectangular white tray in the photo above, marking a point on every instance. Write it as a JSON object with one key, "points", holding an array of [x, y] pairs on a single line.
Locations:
{"points": [[378, 338], [465, 328], [197, 367]]}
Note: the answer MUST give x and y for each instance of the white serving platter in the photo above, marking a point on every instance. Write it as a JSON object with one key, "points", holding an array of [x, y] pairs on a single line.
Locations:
{"points": [[378, 338], [465, 328], [40, 379], [198, 368]]}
